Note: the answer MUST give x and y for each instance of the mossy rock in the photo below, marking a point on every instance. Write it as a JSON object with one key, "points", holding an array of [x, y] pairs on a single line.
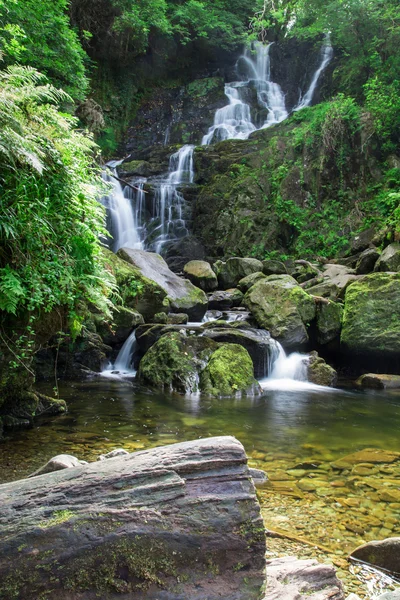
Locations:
{"points": [[389, 260], [329, 321], [319, 372], [247, 282], [140, 168], [138, 292], [174, 362], [273, 267], [200, 273], [283, 308], [371, 319], [235, 269], [124, 320], [229, 372]]}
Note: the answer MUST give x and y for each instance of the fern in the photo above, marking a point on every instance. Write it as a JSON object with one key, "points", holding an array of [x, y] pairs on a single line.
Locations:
{"points": [[11, 290]]}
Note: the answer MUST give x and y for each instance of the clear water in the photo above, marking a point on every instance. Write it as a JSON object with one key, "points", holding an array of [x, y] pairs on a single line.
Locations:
{"points": [[280, 430]]}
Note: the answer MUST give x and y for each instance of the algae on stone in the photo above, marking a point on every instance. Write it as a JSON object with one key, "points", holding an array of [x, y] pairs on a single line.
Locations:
{"points": [[229, 371]]}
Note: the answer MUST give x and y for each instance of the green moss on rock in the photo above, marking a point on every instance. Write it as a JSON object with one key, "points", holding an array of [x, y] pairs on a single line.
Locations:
{"points": [[229, 371]]}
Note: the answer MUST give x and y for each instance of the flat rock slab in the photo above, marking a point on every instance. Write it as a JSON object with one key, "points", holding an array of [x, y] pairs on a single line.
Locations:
{"points": [[291, 579], [369, 455], [171, 523], [375, 381]]}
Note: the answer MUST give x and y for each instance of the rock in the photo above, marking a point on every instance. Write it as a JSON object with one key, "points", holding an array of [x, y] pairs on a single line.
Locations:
{"points": [[389, 260], [229, 372], [147, 335], [363, 240], [340, 276], [200, 273], [224, 300], [160, 318], [384, 554], [178, 253], [257, 342], [182, 295], [395, 595], [325, 290], [274, 267], [373, 456], [247, 282], [259, 477], [177, 319], [113, 454], [175, 362], [374, 381], [213, 315], [83, 358], [319, 372], [124, 320], [137, 291], [171, 522], [235, 269], [305, 271], [291, 579], [58, 463], [140, 168], [329, 321], [283, 308], [367, 261], [371, 319]]}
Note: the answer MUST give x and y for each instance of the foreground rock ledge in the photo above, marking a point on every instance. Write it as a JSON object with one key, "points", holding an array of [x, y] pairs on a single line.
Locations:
{"points": [[171, 523]]}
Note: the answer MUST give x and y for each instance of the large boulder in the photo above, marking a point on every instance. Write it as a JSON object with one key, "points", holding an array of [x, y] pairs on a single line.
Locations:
{"points": [[371, 320], [182, 295], [375, 381], [389, 260], [200, 273], [257, 342], [235, 269], [229, 372], [283, 308], [367, 261], [247, 282], [340, 276], [384, 554], [175, 361], [124, 320], [175, 522], [273, 267]]}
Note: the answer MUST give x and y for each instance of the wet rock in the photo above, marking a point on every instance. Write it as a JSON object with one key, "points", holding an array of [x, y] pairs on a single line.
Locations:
{"points": [[247, 282], [319, 372], [124, 320], [58, 463], [200, 273], [389, 260], [230, 273], [259, 477], [367, 261], [135, 526], [257, 342], [291, 579], [371, 319], [182, 295], [383, 554], [224, 300], [139, 168], [177, 319], [375, 381], [229, 372], [373, 456], [113, 454], [329, 321], [274, 267], [283, 308], [178, 253], [160, 318]]}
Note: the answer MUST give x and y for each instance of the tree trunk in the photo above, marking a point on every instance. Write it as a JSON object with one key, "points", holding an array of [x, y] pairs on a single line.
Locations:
{"points": [[172, 523]]}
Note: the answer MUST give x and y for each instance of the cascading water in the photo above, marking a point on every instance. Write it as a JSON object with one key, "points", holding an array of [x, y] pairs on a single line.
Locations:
{"points": [[169, 201], [123, 363], [326, 57], [124, 218]]}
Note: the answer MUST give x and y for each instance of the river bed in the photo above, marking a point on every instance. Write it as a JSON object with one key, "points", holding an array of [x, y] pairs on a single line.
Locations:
{"points": [[295, 435]]}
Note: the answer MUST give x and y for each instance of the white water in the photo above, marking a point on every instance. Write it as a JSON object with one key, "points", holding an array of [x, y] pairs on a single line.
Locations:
{"points": [[123, 363], [169, 201], [326, 57], [125, 220]]}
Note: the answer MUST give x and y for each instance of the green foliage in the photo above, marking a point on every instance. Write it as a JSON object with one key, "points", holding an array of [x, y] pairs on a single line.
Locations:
{"points": [[50, 219], [38, 34]]}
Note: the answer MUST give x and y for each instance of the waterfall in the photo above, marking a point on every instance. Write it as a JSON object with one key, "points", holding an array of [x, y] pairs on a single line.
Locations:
{"points": [[293, 366], [124, 219], [326, 57], [123, 362], [232, 121], [170, 201]]}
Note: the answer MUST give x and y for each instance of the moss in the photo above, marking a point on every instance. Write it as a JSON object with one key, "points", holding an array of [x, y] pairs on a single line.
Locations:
{"points": [[203, 87], [371, 319], [229, 371]]}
